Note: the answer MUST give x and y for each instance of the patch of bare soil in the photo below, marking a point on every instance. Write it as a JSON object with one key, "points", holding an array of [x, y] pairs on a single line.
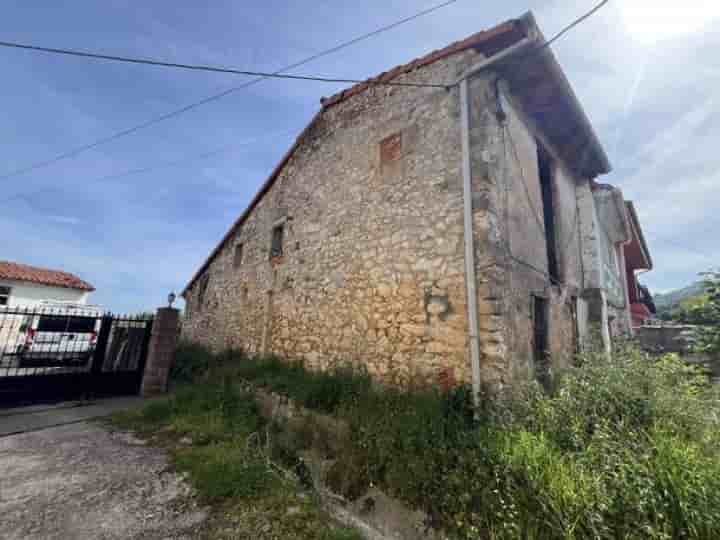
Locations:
{"points": [[81, 482]]}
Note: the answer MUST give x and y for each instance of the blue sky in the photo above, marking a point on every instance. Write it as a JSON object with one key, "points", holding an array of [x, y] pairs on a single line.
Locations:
{"points": [[653, 103]]}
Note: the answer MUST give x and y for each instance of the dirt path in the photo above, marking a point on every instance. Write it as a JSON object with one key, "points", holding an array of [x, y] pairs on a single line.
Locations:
{"points": [[80, 481]]}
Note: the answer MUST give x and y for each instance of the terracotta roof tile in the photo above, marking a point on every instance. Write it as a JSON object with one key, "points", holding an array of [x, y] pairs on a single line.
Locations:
{"points": [[482, 39], [42, 276]]}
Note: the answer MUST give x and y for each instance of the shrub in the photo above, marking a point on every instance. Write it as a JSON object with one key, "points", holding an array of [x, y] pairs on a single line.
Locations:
{"points": [[320, 390], [618, 450], [190, 362]]}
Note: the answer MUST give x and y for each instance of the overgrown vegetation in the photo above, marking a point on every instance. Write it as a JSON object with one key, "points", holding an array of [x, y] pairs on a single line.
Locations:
{"points": [[707, 315], [703, 311], [215, 434], [621, 450]]}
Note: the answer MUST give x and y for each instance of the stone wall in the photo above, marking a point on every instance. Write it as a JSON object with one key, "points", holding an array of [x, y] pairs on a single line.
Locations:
{"points": [[518, 218], [372, 265], [372, 269]]}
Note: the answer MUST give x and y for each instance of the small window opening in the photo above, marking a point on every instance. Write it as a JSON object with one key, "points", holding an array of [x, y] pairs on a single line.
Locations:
{"points": [[540, 340], [545, 166], [238, 258], [4, 295], [202, 289], [276, 247]]}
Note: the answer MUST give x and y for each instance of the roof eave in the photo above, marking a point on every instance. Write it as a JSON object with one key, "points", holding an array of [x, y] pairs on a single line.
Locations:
{"points": [[635, 221], [264, 188], [526, 23], [600, 163]]}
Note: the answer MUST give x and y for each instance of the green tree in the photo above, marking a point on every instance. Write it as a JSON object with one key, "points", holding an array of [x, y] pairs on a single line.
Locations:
{"points": [[705, 312]]}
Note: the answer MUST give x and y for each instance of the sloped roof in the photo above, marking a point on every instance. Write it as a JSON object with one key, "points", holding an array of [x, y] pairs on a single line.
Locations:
{"points": [[488, 41], [637, 253], [42, 276], [544, 91]]}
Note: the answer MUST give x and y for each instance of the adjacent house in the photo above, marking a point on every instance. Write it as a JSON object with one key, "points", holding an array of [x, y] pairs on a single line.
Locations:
{"points": [[637, 260], [448, 231], [26, 286]]}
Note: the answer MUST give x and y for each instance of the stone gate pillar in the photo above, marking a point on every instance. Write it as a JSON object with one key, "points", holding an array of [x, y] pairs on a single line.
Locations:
{"points": [[161, 352]]}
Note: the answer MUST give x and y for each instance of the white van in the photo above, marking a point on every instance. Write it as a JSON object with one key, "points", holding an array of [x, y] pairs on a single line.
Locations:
{"points": [[59, 334]]}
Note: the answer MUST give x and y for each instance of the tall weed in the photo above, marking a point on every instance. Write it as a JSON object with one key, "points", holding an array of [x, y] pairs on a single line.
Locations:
{"points": [[621, 449]]}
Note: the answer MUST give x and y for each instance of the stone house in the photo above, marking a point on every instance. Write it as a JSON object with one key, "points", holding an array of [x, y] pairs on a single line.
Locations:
{"points": [[446, 232]]}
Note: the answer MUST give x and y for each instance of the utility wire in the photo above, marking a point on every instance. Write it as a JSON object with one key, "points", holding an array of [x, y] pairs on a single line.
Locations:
{"points": [[573, 24], [260, 76], [161, 165], [534, 212], [215, 97], [538, 220], [539, 48], [214, 69], [505, 134]]}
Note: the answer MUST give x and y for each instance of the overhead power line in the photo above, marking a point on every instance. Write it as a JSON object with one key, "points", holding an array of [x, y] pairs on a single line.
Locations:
{"points": [[260, 76], [573, 24], [214, 69], [156, 120], [160, 165]]}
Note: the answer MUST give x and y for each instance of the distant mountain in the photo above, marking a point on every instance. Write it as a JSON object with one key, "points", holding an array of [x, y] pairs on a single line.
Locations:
{"points": [[668, 301]]}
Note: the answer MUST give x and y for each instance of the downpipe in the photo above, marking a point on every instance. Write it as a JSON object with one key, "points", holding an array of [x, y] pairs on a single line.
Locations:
{"points": [[470, 276]]}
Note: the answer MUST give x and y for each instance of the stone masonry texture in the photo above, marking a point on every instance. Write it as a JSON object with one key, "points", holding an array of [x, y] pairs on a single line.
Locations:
{"points": [[161, 351], [372, 268]]}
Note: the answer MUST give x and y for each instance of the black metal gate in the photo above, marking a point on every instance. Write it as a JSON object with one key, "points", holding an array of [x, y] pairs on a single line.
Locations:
{"points": [[61, 353]]}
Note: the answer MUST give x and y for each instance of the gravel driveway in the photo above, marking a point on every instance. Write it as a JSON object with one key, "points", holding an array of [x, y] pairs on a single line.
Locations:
{"points": [[81, 481]]}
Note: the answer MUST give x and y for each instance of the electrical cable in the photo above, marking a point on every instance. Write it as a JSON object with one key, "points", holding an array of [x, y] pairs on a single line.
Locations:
{"points": [[214, 69], [260, 76], [506, 135], [572, 25], [117, 135], [161, 165], [535, 213]]}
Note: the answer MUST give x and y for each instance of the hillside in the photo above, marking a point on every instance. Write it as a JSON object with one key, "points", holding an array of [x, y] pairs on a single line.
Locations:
{"points": [[667, 301]]}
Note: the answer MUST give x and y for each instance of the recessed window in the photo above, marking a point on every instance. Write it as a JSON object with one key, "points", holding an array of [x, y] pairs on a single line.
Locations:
{"points": [[545, 166], [4, 295], [202, 289], [238, 257], [276, 247]]}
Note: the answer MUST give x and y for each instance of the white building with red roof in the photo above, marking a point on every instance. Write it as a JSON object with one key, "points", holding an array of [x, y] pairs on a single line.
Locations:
{"points": [[22, 285]]}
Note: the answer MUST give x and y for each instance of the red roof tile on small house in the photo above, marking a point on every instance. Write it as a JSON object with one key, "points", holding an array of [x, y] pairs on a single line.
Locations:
{"points": [[42, 276]]}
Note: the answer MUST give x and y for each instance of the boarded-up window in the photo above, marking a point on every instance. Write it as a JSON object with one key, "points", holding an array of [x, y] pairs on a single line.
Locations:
{"points": [[391, 148], [238, 257], [276, 246]]}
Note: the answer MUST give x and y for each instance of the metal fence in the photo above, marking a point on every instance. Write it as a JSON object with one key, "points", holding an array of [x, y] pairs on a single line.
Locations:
{"points": [[48, 351]]}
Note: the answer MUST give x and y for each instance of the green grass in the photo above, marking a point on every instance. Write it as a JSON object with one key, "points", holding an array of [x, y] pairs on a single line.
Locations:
{"points": [[620, 450], [324, 391], [227, 470], [214, 433]]}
